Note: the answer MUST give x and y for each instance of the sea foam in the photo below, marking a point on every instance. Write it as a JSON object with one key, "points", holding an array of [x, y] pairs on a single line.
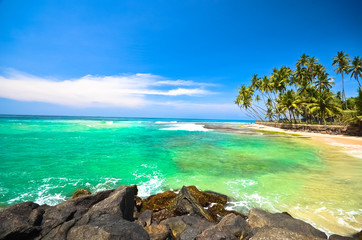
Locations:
{"points": [[192, 127]]}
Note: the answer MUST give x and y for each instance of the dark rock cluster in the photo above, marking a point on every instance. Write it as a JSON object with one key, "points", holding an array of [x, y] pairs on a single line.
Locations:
{"points": [[121, 214]]}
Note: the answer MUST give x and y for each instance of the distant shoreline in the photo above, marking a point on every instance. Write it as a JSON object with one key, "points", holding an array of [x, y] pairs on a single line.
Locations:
{"points": [[351, 144]]}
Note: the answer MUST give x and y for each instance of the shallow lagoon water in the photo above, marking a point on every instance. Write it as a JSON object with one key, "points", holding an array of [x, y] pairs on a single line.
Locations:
{"points": [[45, 159]]}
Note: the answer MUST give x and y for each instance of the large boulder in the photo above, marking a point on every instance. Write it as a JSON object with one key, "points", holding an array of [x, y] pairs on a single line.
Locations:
{"points": [[260, 218], [185, 226], [120, 202], [105, 226], [57, 220], [230, 227], [272, 233], [21, 221]]}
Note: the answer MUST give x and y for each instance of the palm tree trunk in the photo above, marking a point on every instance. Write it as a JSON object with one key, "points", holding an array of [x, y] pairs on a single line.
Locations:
{"points": [[343, 93]]}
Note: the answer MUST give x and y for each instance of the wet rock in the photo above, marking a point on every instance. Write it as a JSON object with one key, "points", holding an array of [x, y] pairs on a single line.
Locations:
{"points": [[207, 197], [81, 192], [145, 218], [339, 237], [158, 232], [260, 218], [218, 211], [104, 226], [159, 201], [272, 233], [20, 221]]}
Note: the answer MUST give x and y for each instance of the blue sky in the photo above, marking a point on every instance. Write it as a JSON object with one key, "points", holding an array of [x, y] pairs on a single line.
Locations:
{"points": [[160, 58]]}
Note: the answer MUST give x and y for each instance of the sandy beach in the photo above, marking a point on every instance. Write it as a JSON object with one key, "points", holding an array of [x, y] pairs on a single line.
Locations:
{"points": [[350, 144]]}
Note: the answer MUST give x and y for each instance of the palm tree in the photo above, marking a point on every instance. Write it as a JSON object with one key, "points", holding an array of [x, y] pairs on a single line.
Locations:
{"points": [[302, 61], [356, 69], [324, 82], [245, 100], [255, 82], [326, 106], [281, 79], [341, 61], [289, 101]]}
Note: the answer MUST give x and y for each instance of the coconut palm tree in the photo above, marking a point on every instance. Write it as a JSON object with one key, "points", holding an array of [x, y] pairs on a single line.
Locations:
{"points": [[289, 101], [341, 61], [324, 82], [302, 61], [245, 100], [356, 69], [325, 106]]}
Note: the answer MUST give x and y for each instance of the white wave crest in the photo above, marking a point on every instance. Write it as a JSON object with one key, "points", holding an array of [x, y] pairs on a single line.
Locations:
{"points": [[109, 183], [149, 184], [162, 122], [186, 127]]}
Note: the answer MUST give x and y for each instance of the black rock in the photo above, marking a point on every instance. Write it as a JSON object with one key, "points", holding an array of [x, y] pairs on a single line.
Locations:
{"points": [[20, 221], [105, 226], [272, 233], [145, 218], [260, 218], [339, 237]]}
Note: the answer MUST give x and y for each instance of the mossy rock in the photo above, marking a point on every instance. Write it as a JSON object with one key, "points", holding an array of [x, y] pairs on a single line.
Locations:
{"points": [[159, 201], [206, 198], [81, 192], [218, 211]]}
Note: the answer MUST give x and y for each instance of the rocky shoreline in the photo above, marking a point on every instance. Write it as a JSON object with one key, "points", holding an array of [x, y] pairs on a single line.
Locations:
{"points": [[121, 214]]}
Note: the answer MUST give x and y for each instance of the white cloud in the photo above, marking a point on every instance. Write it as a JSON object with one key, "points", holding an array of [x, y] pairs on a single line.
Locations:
{"points": [[183, 83], [100, 91]]}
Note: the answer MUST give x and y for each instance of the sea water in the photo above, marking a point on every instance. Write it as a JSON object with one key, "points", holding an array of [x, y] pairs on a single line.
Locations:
{"points": [[45, 159]]}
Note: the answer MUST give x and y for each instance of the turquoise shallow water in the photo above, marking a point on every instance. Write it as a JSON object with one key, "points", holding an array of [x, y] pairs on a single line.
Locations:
{"points": [[45, 159]]}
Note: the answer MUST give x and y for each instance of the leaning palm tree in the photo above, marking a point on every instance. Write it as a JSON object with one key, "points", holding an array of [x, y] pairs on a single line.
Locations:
{"points": [[341, 61], [356, 69]]}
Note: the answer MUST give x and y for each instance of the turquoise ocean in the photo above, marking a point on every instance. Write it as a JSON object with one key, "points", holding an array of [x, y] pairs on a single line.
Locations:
{"points": [[46, 158]]}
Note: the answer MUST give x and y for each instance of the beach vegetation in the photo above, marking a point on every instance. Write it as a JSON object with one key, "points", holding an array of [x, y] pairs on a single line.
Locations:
{"points": [[303, 95]]}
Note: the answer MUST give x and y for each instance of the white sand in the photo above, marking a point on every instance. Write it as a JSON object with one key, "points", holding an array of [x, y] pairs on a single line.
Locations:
{"points": [[350, 144]]}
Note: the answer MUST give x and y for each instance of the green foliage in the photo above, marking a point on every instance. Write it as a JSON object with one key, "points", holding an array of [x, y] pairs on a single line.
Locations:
{"points": [[359, 102], [303, 94], [356, 69], [349, 116]]}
